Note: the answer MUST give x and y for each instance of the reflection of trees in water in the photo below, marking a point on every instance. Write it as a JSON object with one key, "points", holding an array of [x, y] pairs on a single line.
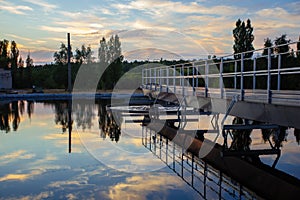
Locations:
{"points": [[30, 108], [11, 113], [277, 137], [5, 117], [297, 135], [108, 124], [241, 138], [16, 115], [61, 115], [84, 114]]}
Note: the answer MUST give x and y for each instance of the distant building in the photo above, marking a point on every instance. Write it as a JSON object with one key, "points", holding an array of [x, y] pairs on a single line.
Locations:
{"points": [[5, 79]]}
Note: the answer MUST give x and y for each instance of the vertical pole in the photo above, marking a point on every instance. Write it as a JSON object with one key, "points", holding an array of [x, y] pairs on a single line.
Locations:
{"points": [[143, 143], [235, 75], [160, 79], [192, 170], [154, 78], [144, 136], [254, 74], [220, 185], [182, 77], [180, 73], [278, 75], [69, 64], [150, 141], [173, 155], [242, 77], [188, 79], [143, 77], [150, 78], [269, 76], [221, 78], [206, 78], [154, 142], [167, 151], [167, 69], [182, 165], [204, 181], [193, 68], [70, 124], [160, 146], [197, 78], [174, 79]]}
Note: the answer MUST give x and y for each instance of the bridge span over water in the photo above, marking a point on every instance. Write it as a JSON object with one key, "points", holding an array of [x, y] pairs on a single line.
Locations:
{"points": [[265, 87]]}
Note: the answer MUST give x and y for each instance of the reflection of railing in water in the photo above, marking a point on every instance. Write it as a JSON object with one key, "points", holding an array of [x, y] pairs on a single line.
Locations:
{"points": [[207, 181]]}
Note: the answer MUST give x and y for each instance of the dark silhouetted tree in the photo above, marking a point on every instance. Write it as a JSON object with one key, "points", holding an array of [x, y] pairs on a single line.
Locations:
{"points": [[29, 61], [243, 38], [116, 58], [4, 55], [61, 56], [14, 61], [110, 58], [84, 55], [281, 41], [268, 43], [21, 62], [102, 51]]}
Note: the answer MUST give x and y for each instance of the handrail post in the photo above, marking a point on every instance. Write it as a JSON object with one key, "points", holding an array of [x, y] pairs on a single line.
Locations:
{"points": [[197, 78], [155, 79], [278, 73], [174, 79], [206, 78], [242, 77], [182, 79], [147, 79], [269, 76], [160, 79], [235, 75], [193, 79], [180, 73], [167, 69], [143, 77], [221, 78], [150, 78], [254, 74]]}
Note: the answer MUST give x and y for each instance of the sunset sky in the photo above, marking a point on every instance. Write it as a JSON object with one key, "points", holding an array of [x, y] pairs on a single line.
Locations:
{"points": [[186, 29]]}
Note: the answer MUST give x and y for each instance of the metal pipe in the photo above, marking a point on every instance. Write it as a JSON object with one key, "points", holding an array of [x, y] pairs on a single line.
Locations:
{"points": [[69, 64]]}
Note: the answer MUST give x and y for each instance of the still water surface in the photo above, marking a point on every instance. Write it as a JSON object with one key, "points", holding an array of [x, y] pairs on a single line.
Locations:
{"points": [[106, 161]]}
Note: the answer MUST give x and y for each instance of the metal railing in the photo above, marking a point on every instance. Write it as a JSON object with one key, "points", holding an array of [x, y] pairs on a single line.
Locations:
{"points": [[208, 182], [271, 78]]}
